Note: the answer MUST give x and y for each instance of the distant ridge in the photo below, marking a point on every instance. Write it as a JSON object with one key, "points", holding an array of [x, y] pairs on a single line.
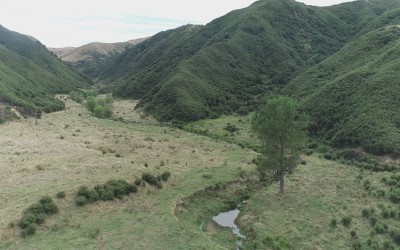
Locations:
{"points": [[90, 58]]}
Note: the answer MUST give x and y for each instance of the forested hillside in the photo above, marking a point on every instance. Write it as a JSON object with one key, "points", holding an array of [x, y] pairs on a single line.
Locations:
{"points": [[233, 64], [230, 64], [30, 75], [353, 96]]}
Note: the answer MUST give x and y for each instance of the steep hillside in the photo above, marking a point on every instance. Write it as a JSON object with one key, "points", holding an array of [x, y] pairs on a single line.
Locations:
{"points": [[230, 64], [89, 59], [30, 75], [234, 62], [353, 96]]}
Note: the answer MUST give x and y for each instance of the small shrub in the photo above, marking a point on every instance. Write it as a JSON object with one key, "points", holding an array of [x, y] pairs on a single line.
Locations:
{"points": [[83, 191], [373, 220], [312, 145], [395, 235], [81, 201], [394, 196], [132, 188], [379, 228], [107, 195], [36, 208], [60, 195], [333, 223], [380, 193], [393, 214], [26, 220], [138, 182], [385, 213], [357, 245], [165, 176], [93, 196], [353, 234], [365, 213], [50, 208], [150, 179], [346, 220], [328, 156], [30, 230]]}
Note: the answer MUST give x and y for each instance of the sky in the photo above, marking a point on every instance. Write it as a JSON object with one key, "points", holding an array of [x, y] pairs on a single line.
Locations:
{"points": [[64, 23]]}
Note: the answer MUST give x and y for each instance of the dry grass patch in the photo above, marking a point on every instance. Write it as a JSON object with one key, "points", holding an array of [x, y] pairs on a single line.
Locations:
{"points": [[65, 151]]}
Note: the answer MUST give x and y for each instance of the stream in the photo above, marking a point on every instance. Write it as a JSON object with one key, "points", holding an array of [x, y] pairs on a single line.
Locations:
{"points": [[227, 219]]}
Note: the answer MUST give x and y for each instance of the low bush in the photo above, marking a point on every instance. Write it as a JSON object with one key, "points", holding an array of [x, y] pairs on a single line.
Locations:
{"points": [[333, 223], [81, 201], [373, 220], [150, 179], [60, 195], [346, 220], [165, 176], [394, 196], [365, 213]]}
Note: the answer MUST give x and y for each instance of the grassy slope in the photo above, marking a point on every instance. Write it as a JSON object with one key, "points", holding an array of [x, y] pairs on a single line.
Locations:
{"points": [[315, 194], [30, 75], [41, 163], [352, 96], [36, 162]]}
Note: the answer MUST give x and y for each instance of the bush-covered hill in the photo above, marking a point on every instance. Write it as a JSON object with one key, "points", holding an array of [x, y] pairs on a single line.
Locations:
{"points": [[353, 96], [228, 65], [30, 75], [232, 63], [91, 58]]}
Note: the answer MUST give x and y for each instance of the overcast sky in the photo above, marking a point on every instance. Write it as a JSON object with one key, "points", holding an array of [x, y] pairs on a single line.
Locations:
{"points": [[61, 23]]}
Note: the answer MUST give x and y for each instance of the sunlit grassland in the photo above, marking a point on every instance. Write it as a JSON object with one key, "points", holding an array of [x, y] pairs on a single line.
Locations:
{"points": [[71, 148], [315, 194]]}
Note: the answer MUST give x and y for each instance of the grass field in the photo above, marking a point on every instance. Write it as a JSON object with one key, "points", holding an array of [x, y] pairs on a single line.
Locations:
{"points": [[71, 148]]}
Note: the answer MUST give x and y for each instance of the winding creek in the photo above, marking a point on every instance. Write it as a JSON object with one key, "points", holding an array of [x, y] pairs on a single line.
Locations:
{"points": [[227, 219]]}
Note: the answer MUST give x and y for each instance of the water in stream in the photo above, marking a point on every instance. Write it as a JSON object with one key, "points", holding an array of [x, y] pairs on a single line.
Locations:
{"points": [[227, 219]]}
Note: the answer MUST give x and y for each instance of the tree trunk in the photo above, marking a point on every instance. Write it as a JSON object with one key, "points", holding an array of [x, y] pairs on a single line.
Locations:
{"points": [[282, 183]]}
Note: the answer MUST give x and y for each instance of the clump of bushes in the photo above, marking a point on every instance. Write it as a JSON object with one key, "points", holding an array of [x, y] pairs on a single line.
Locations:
{"points": [[35, 214], [112, 189], [100, 107], [156, 181], [394, 196]]}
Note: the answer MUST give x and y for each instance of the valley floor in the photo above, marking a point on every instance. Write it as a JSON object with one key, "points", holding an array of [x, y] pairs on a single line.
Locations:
{"points": [[71, 148]]}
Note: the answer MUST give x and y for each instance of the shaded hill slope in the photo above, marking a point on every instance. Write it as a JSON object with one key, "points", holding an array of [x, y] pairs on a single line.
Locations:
{"points": [[30, 75], [89, 59], [353, 96]]}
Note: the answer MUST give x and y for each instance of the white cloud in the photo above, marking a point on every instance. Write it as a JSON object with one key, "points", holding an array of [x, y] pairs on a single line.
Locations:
{"points": [[74, 23]]}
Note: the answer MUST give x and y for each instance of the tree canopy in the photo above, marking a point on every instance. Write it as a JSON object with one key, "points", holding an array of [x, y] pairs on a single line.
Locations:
{"points": [[281, 129]]}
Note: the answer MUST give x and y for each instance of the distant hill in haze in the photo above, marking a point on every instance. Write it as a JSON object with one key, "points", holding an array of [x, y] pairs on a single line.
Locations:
{"points": [[89, 59], [30, 75]]}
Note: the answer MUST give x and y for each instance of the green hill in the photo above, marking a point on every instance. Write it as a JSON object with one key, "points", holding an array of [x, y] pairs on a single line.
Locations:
{"points": [[30, 75], [228, 65], [234, 62], [353, 96]]}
